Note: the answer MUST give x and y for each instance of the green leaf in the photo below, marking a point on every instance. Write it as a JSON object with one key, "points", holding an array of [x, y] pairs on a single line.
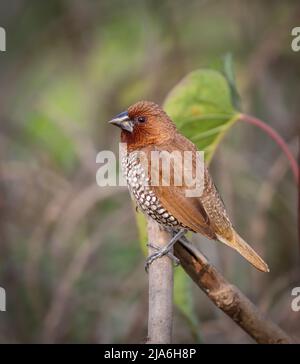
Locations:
{"points": [[142, 228], [229, 73], [183, 299], [202, 109]]}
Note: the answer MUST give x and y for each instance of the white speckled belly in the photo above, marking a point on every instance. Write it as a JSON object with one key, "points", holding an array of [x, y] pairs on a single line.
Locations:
{"points": [[141, 192]]}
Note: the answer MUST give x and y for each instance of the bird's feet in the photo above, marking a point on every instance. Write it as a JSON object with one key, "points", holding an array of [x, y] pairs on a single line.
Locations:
{"points": [[160, 253]]}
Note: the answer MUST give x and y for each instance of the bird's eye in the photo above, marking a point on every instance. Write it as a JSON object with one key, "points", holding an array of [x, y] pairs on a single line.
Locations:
{"points": [[141, 119]]}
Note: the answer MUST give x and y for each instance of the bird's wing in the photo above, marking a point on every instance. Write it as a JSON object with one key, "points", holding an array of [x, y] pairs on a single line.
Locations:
{"points": [[187, 210]]}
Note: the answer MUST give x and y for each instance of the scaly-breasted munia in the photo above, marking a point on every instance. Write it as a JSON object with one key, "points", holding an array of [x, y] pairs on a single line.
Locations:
{"points": [[147, 128]]}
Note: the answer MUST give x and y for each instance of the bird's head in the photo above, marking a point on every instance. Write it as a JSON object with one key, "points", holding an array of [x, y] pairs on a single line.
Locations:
{"points": [[144, 123]]}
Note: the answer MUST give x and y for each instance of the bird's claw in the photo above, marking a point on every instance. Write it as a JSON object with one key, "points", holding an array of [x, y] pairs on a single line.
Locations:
{"points": [[160, 253]]}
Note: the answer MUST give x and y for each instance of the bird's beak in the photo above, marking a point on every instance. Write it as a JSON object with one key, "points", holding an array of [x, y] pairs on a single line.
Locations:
{"points": [[123, 121]]}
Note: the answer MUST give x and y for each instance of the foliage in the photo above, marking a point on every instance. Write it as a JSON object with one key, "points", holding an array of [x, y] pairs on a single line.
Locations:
{"points": [[201, 106]]}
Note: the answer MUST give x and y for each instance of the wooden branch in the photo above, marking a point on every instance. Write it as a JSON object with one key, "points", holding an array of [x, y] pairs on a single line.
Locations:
{"points": [[160, 317], [228, 297]]}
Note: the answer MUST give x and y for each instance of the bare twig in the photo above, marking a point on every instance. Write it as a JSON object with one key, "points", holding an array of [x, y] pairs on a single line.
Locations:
{"points": [[228, 297], [160, 290]]}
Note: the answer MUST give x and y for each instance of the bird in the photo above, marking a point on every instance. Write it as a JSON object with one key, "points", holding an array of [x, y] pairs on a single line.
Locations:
{"points": [[146, 128]]}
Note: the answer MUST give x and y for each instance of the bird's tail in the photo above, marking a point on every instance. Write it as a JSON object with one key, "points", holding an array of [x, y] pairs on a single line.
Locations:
{"points": [[245, 250]]}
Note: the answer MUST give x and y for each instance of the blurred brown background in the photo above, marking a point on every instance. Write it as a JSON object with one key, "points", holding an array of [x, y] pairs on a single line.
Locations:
{"points": [[70, 259]]}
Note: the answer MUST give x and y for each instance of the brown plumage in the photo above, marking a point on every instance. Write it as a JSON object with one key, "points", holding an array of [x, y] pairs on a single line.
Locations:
{"points": [[147, 128]]}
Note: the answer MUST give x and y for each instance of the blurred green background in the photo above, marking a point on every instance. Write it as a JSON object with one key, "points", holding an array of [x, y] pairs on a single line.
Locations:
{"points": [[70, 259]]}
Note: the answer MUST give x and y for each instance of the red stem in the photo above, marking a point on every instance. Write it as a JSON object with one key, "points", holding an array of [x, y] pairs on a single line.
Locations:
{"points": [[277, 138]]}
